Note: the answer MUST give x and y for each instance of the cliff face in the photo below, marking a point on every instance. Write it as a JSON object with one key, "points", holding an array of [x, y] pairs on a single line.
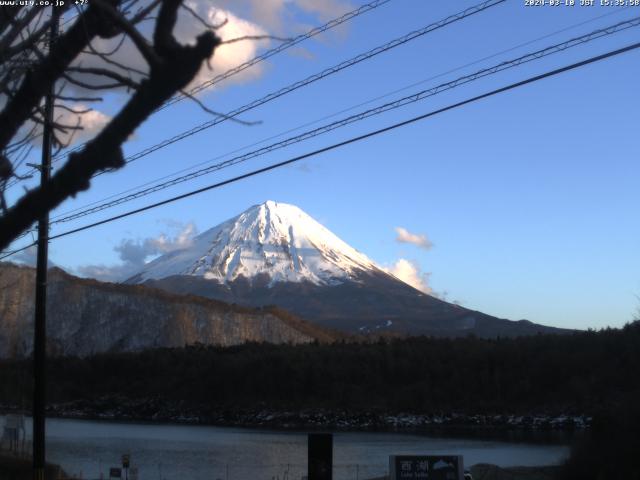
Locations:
{"points": [[87, 317]]}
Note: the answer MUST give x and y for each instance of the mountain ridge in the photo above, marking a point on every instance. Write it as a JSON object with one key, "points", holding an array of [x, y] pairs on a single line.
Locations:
{"points": [[275, 254], [86, 316], [370, 306], [271, 238]]}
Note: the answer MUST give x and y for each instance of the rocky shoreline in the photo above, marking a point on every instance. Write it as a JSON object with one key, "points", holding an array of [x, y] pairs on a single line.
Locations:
{"points": [[115, 408]]}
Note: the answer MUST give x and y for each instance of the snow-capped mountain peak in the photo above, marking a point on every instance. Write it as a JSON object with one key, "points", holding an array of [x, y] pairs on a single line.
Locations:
{"points": [[276, 239]]}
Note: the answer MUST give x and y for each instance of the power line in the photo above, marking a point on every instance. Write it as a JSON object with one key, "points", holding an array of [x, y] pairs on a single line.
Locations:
{"points": [[353, 107], [260, 58], [334, 146], [315, 77], [309, 34], [461, 67], [304, 82], [26, 64], [233, 71], [280, 48], [17, 250], [358, 138], [421, 95]]}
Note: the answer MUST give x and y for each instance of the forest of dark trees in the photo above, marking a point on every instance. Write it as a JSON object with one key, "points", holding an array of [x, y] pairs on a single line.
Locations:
{"points": [[582, 373], [591, 373]]}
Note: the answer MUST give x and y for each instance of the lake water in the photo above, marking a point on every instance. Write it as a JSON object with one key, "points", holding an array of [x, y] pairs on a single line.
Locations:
{"points": [[167, 452]]}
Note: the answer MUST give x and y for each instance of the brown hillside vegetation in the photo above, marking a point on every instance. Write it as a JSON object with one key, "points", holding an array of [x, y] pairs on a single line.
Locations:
{"points": [[86, 317]]}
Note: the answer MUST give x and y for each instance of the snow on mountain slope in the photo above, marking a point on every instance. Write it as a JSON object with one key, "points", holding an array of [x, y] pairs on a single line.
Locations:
{"points": [[276, 239]]}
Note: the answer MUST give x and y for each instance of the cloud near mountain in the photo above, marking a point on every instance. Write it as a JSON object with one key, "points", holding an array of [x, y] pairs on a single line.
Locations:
{"points": [[135, 253], [411, 273], [419, 240], [276, 254]]}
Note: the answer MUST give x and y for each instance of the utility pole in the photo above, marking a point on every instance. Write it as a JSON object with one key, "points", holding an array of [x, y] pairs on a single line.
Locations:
{"points": [[40, 324]]}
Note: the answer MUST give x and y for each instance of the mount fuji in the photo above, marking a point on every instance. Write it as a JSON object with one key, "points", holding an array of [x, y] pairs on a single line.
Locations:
{"points": [[273, 239], [276, 254]]}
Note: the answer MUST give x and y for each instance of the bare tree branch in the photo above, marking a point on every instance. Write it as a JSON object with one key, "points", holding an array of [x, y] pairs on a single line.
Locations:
{"points": [[17, 26], [138, 39], [78, 99], [73, 110], [38, 80], [103, 72], [56, 125], [208, 25], [174, 67], [91, 86], [62, 144], [7, 17], [144, 12], [255, 37], [214, 113], [92, 51], [28, 42]]}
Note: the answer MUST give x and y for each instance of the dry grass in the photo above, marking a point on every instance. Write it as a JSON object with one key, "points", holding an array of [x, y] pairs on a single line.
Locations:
{"points": [[12, 468], [492, 472]]}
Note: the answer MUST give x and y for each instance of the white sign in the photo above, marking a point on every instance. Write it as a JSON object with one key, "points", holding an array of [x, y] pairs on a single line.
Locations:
{"points": [[426, 467]]}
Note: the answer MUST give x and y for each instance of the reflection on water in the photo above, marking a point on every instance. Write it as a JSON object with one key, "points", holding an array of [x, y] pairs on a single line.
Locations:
{"points": [[208, 453]]}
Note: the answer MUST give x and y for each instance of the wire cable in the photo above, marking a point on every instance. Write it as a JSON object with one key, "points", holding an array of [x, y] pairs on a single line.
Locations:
{"points": [[234, 71], [312, 78], [302, 83], [421, 95], [359, 138], [349, 141], [260, 58], [315, 77], [353, 107], [280, 48]]}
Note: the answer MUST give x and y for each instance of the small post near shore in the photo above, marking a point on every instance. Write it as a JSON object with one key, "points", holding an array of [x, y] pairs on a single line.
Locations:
{"points": [[320, 456]]}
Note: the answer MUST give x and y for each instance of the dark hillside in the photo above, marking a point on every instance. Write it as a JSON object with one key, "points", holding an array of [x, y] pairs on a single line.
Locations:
{"points": [[583, 373]]}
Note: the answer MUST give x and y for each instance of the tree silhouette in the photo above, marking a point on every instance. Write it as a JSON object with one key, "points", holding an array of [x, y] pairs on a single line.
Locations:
{"points": [[29, 68]]}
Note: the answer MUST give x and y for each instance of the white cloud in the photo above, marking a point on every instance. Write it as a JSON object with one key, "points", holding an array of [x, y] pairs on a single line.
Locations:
{"points": [[404, 236], [91, 123], [111, 273], [29, 257], [249, 18], [279, 15], [325, 9], [225, 56], [187, 29], [135, 253], [302, 52], [409, 272], [268, 12], [165, 244]]}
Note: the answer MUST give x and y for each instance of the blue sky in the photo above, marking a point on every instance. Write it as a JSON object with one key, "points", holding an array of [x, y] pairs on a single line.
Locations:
{"points": [[530, 198]]}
